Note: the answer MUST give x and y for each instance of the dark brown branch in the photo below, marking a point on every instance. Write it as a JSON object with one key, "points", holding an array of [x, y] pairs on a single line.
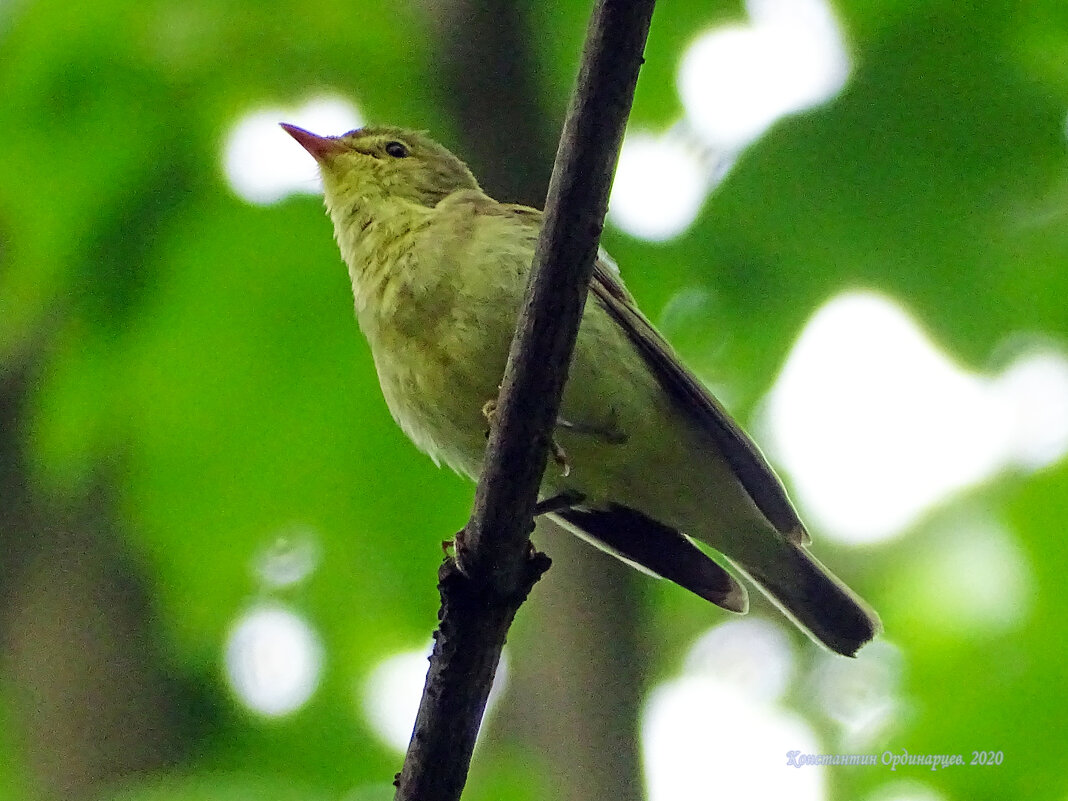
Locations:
{"points": [[479, 601]]}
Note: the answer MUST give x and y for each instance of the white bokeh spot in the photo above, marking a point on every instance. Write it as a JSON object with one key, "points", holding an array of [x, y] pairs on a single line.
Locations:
{"points": [[390, 696], [1036, 387], [971, 579], [736, 80], [755, 655], [263, 164], [289, 559], [273, 660], [659, 187], [718, 725], [862, 695], [876, 425]]}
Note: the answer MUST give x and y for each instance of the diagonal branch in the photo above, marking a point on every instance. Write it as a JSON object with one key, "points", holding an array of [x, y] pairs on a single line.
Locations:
{"points": [[480, 597]]}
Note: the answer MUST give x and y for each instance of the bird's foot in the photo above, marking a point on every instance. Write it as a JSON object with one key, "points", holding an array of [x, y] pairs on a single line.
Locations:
{"points": [[489, 412]]}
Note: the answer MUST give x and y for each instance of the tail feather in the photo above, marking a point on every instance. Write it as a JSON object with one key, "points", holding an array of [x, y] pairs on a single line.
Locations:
{"points": [[813, 597], [806, 592]]}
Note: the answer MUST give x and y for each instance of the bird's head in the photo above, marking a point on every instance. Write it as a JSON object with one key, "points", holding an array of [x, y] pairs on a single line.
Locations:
{"points": [[383, 162]]}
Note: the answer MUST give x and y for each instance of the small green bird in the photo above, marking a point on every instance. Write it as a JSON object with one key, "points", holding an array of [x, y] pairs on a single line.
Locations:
{"points": [[650, 458]]}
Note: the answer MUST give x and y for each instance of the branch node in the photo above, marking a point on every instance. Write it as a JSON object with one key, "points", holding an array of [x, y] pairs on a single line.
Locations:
{"points": [[461, 591]]}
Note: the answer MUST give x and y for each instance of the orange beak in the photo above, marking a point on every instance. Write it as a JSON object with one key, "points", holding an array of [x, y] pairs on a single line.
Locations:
{"points": [[320, 147]]}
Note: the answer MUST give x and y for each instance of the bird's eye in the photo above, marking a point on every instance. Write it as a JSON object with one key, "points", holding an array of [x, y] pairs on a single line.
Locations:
{"points": [[396, 149]]}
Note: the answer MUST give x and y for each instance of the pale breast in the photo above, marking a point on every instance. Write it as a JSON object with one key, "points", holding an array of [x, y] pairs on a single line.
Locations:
{"points": [[436, 392], [441, 350]]}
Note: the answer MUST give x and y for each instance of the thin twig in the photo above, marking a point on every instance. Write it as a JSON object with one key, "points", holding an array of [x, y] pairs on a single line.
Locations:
{"points": [[497, 570]]}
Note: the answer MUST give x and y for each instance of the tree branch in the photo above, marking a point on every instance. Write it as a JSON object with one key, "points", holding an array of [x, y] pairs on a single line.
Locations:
{"points": [[480, 597]]}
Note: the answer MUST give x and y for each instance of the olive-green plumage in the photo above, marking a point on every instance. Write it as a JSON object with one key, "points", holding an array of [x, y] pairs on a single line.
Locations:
{"points": [[438, 273]]}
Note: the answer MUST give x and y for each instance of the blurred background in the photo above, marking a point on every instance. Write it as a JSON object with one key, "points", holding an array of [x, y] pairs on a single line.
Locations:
{"points": [[218, 553]]}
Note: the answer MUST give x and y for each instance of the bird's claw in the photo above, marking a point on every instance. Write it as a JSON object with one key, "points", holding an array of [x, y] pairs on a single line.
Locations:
{"points": [[489, 412], [560, 457]]}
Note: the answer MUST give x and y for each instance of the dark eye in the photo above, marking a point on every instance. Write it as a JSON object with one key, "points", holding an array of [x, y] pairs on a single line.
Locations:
{"points": [[396, 149]]}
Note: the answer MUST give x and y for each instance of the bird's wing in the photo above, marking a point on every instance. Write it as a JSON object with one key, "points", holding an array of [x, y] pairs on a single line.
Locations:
{"points": [[745, 459], [747, 462], [655, 548]]}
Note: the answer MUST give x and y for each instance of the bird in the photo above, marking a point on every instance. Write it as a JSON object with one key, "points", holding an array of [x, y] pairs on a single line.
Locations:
{"points": [[650, 463]]}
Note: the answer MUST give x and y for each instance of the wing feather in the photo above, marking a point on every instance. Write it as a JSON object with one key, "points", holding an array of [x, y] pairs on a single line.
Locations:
{"points": [[657, 549], [747, 462], [745, 459]]}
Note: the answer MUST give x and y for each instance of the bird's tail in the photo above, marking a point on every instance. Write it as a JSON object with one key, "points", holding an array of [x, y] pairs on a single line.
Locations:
{"points": [[813, 597]]}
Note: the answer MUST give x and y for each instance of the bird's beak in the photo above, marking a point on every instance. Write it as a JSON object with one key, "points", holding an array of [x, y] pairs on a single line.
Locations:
{"points": [[320, 147]]}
